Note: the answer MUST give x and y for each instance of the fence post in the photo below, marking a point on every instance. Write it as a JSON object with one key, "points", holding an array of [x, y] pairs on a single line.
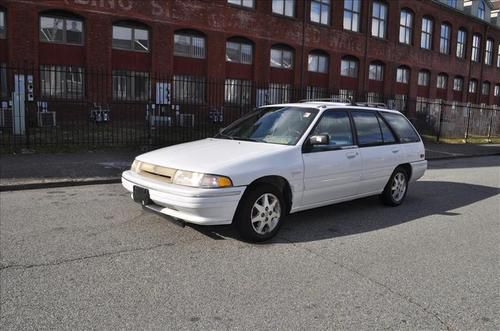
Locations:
{"points": [[440, 121], [468, 123], [490, 125]]}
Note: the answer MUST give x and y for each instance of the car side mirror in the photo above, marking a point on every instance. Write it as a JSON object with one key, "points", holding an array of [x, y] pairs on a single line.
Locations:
{"points": [[319, 140]]}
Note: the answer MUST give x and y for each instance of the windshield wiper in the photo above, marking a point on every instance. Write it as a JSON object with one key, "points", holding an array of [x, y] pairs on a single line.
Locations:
{"points": [[223, 135]]}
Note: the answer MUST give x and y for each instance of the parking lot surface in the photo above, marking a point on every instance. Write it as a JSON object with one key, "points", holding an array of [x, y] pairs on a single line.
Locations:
{"points": [[88, 257]]}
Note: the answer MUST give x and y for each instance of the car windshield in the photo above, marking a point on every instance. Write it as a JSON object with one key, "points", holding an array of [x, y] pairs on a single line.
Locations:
{"points": [[275, 125]]}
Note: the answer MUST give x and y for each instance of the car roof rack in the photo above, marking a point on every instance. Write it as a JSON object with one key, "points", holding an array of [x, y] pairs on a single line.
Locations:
{"points": [[331, 99], [372, 104]]}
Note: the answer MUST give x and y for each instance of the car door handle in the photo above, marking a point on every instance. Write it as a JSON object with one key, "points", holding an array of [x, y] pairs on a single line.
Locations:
{"points": [[351, 155], [395, 151]]}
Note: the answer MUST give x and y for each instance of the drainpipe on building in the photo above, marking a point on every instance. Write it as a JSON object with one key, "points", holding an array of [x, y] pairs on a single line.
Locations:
{"points": [[303, 48]]}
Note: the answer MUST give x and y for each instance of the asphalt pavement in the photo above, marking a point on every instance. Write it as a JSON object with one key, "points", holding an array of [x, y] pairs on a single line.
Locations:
{"points": [[89, 258]]}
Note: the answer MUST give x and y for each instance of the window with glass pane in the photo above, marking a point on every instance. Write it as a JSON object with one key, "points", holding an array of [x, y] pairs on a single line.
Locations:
{"points": [[472, 86], [485, 88], [281, 58], [376, 71], [320, 11], [458, 84], [476, 48], [367, 128], [461, 43], [279, 93], [131, 85], [349, 68], [379, 19], [442, 81], [488, 54], [444, 40], [346, 94], [402, 127], [3, 27], [284, 7], [497, 91], [452, 3], [481, 9], [242, 3], [337, 126], [498, 57], [405, 27], [423, 78], [239, 52], [374, 97], [4, 92], [61, 30], [403, 75], [426, 35], [352, 10], [317, 63], [62, 81], [237, 91], [130, 38], [189, 89], [189, 45]]}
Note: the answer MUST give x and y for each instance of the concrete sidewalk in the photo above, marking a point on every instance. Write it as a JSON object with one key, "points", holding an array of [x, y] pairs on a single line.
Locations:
{"points": [[25, 171]]}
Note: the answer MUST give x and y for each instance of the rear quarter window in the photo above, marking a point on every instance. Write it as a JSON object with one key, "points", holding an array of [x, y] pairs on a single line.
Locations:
{"points": [[401, 127]]}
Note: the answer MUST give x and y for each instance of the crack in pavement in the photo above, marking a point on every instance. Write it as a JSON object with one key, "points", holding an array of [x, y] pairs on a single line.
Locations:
{"points": [[386, 287], [83, 258]]}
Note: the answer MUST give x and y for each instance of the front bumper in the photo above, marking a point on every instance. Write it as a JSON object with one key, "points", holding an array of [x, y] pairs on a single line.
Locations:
{"points": [[192, 205]]}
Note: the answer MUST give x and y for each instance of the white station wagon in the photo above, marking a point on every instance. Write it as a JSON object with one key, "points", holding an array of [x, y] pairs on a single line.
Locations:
{"points": [[281, 159]]}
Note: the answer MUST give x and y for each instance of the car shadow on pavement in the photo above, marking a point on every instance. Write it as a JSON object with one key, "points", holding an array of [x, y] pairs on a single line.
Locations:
{"points": [[425, 198]]}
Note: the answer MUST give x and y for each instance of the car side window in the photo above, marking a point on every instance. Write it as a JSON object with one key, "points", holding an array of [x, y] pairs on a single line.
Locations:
{"points": [[337, 126], [367, 128], [387, 134], [402, 127]]}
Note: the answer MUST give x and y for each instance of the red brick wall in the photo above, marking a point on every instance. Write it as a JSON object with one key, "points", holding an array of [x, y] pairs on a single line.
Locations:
{"points": [[219, 21]]}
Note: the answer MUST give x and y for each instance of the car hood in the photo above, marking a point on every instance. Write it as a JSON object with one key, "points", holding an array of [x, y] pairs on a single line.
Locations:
{"points": [[212, 155]]}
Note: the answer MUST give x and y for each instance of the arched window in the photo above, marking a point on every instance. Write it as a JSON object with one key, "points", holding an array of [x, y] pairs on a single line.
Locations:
{"points": [[189, 43], [424, 77], [485, 88], [472, 86], [488, 52], [282, 57], [352, 12], [349, 67], [426, 35], [405, 27], [458, 84], [481, 9], [131, 36], [376, 71], [318, 62], [379, 19], [239, 50], [461, 43], [3, 24], [442, 81], [496, 93], [476, 48], [444, 39], [403, 75], [61, 27]]}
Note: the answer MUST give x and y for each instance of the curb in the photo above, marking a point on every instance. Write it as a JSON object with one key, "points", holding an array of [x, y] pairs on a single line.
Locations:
{"points": [[63, 183], [117, 180]]}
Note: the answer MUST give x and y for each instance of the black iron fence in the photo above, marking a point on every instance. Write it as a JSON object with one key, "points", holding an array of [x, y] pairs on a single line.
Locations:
{"points": [[55, 105]]}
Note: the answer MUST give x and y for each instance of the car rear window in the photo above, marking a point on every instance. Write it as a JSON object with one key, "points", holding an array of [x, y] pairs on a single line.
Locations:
{"points": [[402, 127]]}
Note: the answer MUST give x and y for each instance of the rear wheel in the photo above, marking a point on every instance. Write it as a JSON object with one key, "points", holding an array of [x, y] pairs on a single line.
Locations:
{"points": [[260, 213], [395, 190]]}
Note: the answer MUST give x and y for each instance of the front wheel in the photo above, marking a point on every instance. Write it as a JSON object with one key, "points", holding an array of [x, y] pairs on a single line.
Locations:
{"points": [[395, 190], [260, 213]]}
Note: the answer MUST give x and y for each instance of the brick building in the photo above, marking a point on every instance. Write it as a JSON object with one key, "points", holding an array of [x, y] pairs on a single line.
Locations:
{"points": [[446, 49]]}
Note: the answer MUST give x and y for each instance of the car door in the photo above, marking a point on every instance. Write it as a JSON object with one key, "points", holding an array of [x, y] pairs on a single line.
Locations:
{"points": [[379, 150], [331, 172]]}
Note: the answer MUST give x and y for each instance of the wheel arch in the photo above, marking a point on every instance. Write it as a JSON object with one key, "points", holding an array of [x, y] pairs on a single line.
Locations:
{"points": [[278, 182]]}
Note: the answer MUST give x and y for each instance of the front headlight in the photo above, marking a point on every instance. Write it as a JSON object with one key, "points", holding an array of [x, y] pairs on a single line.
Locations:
{"points": [[196, 179]]}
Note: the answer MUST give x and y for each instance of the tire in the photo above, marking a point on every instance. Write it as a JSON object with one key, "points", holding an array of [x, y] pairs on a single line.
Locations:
{"points": [[396, 188], [252, 220]]}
